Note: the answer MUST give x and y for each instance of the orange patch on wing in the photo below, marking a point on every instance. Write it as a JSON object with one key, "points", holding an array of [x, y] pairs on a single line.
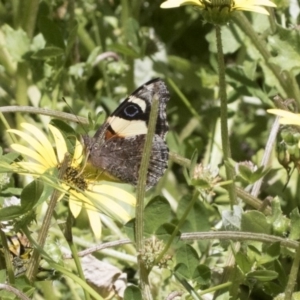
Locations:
{"points": [[109, 134]]}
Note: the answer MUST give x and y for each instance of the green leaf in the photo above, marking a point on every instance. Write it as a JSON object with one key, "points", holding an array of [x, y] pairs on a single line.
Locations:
{"points": [[51, 32], [131, 33], [157, 212], [48, 52], [255, 221], [187, 261], [270, 254], [73, 34], [17, 42], [202, 276], [129, 229], [10, 213], [31, 195], [243, 262], [132, 293], [197, 219], [295, 224], [262, 275], [165, 231], [286, 42]]}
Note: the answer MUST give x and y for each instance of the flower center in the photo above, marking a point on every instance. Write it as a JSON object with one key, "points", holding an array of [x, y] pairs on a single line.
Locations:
{"points": [[73, 178]]}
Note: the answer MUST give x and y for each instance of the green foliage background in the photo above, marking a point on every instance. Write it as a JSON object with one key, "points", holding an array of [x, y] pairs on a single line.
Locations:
{"points": [[93, 54]]}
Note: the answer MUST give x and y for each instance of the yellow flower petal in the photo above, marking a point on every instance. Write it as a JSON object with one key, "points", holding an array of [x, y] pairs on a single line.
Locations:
{"points": [[32, 154], [177, 3], [41, 149], [78, 153], [106, 204], [31, 167], [61, 147], [287, 116], [41, 137], [95, 222], [115, 193], [75, 204]]}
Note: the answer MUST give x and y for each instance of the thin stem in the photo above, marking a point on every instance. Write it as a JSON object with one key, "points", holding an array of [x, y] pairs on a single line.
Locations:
{"points": [[140, 195], [69, 238], [21, 89], [293, 276], [13, 290], [178, 226], [28, 12], [238, 236], [223, 116], [34, 261], [45, 112], [7, 257]]}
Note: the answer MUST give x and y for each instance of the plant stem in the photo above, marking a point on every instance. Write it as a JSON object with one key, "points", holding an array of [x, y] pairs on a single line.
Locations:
{"points": [[69, 238], [7, 257], [140, 195], [223, 116], [293, 276], [45, 112], [178, 226], [34, 261]]}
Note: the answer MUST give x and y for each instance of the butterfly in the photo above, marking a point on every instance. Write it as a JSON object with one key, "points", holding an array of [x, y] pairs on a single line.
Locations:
{"points": [[117, 146]]}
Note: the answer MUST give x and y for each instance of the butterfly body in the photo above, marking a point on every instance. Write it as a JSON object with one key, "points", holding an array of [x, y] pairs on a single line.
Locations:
{"points": [[118, 145]]}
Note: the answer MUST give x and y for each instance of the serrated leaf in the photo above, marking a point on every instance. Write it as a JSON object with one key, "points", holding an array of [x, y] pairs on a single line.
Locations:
{"points": [[187, 261], [132, 293], [255, 221], [157, 212], [262, 275]]}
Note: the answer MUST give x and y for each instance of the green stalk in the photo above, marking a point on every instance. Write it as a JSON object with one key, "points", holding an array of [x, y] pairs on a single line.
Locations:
{"points": [[178, 226], [7, 257], [223, 116], [293, 276], [28, 13], [34, 261], [21, 89], [69, 238], [140, 195]]}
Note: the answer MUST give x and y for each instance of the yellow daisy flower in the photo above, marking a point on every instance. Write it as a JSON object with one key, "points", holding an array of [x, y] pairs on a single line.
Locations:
{"points": [[219, 11], [287, 117], [82, 192]]}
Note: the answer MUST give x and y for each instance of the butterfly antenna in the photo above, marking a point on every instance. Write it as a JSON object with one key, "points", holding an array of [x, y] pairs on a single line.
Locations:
{"points": [[87, 150]]}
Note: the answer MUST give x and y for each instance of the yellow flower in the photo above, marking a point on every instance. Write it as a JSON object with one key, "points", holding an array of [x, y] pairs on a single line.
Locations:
{"points": [[219, 11], [82, 192], [287, 117]]}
